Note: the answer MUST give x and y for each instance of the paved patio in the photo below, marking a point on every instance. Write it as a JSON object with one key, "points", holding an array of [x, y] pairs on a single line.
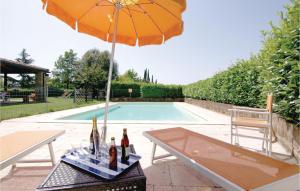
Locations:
{"points": [[168, 174]]}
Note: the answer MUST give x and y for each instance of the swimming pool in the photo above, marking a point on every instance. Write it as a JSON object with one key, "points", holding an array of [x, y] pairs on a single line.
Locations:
{"points": [[140, 111]]}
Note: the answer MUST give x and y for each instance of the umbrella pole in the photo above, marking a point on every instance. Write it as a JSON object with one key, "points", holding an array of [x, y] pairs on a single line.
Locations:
{"points": [[110, 74]]}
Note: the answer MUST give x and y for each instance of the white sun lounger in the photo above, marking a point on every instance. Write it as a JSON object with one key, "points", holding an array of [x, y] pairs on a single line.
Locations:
{"points": [[15, 146], [229, 166]]}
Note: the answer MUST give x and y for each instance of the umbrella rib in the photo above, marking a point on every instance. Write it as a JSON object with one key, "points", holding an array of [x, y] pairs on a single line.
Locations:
{"points": [[88, 10], [168, 11], [110, 23], [131, 17], [150, 18]]}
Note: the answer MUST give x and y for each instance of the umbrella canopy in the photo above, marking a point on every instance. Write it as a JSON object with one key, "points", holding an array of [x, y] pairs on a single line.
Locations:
{"points": [[141, 22], [131, 22]]}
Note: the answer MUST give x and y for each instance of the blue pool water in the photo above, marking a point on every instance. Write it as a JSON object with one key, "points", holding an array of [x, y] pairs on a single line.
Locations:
{"points": [[140, 111]]}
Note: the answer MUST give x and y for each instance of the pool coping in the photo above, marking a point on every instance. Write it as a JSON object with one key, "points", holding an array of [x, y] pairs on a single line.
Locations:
{"points": [[54, 117], [177, 105]]}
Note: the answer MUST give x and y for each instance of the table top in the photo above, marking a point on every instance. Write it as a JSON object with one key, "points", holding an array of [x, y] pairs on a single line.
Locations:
{"points": [[65, 176]]}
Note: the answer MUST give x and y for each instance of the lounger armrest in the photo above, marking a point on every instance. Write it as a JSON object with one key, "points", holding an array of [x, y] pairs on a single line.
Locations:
{"points": [[249, 108], [249, 112]]}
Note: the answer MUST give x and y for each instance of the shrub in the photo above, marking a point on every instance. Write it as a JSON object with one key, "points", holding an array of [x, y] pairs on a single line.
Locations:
{"points": [[161, 91], [120, 89], [275, 69], [55, 92], [238, 85]]}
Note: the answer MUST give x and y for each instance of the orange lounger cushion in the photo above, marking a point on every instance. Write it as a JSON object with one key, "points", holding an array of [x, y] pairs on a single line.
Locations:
{"points": [[13, 144], [247, 169]]}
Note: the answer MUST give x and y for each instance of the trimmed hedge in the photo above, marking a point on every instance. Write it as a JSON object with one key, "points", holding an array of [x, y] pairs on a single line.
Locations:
{"points": [[52, 92], [120, 89], [161, 91], [146, 90], [55, 92], [275, 69], [238, 85]]}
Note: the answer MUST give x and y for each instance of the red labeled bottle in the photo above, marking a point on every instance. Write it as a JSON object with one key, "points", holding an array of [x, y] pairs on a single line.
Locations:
{"points": [[113, 155], [125, 147]]}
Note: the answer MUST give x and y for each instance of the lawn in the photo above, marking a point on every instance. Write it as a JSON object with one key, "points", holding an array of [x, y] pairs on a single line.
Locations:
{"points": [[53, 104]]}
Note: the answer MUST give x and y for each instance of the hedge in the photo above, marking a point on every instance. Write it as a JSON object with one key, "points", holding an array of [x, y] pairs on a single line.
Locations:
{"points": [[238, 85], [275, 69], [52, 92], [161, 91], [120, 89], [146, 90]]}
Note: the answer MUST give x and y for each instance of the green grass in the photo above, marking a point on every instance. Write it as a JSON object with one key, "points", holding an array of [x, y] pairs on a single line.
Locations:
{"points": [[53, 104]]}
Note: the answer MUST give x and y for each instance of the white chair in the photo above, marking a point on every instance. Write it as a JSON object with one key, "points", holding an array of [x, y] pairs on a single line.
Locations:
{"points": [[253, 119]]}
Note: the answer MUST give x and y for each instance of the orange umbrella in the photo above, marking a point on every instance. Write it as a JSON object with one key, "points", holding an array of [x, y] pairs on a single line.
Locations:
{"points": [[131, 22]]}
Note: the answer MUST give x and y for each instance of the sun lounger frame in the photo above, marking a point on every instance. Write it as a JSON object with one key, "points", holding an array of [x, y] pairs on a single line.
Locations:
{"points": [[278, 185], [17, 158]]}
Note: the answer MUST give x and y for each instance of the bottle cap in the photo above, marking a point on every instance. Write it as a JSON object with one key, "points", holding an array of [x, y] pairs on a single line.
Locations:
{"points": [[112, 138], [125, 129]]}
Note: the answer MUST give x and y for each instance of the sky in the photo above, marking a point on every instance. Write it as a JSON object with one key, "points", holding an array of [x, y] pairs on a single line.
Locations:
{"points": [[216, 34]]}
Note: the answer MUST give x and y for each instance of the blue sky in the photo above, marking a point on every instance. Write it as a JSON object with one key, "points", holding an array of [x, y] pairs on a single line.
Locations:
{"points": [[216, 34]]}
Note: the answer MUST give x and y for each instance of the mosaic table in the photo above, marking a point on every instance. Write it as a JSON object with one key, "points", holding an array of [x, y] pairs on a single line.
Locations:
{"points": [[67, 177]]}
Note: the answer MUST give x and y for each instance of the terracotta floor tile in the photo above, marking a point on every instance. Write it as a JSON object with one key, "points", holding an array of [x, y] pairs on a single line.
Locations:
{"points": [[163, 188], [158, 174], [185, 176]]}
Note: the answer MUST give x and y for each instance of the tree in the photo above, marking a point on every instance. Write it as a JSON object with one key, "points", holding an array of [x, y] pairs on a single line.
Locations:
{"points": [[145, 75], [129, 76], [148, 76], [152, 79], [26, 80], [92, 70], [65, 70]]}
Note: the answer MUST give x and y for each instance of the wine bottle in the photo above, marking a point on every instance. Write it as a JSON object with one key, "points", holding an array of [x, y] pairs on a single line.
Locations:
{"points": [[94, 138], [113, 154], [125, 147]]}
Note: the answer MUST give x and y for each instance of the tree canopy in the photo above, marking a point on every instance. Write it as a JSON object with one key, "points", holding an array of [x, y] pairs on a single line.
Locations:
{"points": [[65, 70], [26, 80], [129, 76], [92, 70]]}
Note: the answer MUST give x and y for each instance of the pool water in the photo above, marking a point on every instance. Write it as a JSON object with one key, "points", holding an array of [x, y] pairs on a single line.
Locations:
{"points": [[140, 111]]}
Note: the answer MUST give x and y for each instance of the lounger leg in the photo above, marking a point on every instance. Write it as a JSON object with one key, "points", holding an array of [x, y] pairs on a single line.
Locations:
{"points": [[51, 153], [231, 132], [237, 141], [270, 141], [264, 139], [153, 152]]}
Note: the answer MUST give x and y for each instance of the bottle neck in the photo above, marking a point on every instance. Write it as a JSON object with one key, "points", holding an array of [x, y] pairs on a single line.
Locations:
{"points": [[94, 125], [112, 143]]}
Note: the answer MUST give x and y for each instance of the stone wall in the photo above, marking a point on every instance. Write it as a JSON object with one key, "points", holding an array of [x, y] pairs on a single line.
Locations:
{"points": [[287, 134]]}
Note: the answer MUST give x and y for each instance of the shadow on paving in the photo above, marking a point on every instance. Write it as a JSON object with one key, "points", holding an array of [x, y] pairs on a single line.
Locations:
{"points": [[173, 175], [24, 178], [164, 175]]}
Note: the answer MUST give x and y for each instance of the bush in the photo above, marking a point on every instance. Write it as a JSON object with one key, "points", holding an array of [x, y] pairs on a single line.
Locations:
{"points": [[20, 93], [238, 85], [120, 89], [55, 92], [275, 69], [161, 91]]}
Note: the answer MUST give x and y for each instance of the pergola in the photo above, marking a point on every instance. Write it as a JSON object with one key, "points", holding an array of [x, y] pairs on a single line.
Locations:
{"points": [[15, 67]]}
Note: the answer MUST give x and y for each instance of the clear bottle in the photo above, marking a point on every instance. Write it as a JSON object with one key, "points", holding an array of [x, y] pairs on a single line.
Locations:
{"points": [[94, 138], [113, 155], [125, 147]]}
